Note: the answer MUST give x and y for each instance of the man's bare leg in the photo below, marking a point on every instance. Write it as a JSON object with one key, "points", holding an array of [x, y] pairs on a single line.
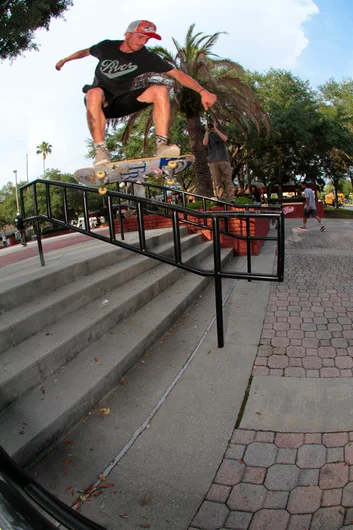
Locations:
{"points": [[96, 123], [322, 227], [158, 96], [303, 226]]}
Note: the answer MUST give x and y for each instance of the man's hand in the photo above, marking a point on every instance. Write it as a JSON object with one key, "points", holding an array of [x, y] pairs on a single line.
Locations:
{"points": [[208, 99], [60, 64]]}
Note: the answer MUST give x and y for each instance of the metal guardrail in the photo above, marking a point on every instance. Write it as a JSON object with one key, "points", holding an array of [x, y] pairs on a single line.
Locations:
{"points": [[216, 221]]}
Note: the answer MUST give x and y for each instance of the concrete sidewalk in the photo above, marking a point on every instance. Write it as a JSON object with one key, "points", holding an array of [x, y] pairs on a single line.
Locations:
{"points": [[289, 465]]}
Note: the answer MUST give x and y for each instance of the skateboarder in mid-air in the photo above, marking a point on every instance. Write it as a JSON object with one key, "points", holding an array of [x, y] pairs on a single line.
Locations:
{"points": [[114, 92]]}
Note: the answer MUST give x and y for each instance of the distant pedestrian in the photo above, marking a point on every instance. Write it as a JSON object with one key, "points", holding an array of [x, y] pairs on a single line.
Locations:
{"points": [[310, 208], [4, 241], [21, 228], [255, 194]]}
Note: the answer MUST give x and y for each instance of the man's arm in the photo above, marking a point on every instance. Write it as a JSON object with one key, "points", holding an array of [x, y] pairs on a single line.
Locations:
{"points": [[207, 98], [307, 200], [77, 55], [220, 134]]}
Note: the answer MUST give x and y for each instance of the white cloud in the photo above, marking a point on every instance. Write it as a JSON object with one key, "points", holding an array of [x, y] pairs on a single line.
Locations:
{"points": [[38, 104]]}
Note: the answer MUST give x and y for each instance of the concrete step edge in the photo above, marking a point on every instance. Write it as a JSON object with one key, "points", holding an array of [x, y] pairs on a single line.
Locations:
{"points": [[29, 284], [24, 370], [49, 418], [24, 321]]}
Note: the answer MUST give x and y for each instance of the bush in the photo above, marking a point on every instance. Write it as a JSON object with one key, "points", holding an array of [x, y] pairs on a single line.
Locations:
{"points": [[241, 200], [197, 205], [286, 200]]}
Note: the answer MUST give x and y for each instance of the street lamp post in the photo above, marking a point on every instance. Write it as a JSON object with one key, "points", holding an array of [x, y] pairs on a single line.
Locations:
{"points": [[15, 171]]}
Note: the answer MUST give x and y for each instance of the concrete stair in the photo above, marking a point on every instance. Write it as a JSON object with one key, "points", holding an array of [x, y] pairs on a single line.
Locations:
{"points": [[69, 332]]}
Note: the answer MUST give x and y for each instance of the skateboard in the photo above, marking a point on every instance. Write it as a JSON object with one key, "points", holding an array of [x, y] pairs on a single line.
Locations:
{"points": [[136, 170]]}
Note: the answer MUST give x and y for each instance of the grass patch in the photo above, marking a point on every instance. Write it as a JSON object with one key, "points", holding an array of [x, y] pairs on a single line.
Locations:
{"points": [[337, 213]]}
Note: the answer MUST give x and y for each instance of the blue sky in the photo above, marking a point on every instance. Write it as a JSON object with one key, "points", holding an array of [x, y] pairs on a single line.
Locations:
{"points": [[311, 38], [330, 50]]}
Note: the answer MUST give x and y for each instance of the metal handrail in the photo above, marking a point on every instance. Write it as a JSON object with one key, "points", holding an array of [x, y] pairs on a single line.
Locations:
{"points": [[184, 194], [205, 220]]}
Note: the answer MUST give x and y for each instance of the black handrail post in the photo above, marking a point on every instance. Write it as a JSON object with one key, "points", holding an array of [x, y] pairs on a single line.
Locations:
{"points": [[176, 236], [111, 219], [39, 242], [64, 199], [218, 281], [248, 244], [85, 211], [141, 226], [37, 226], [47, 199], [280, 247]]}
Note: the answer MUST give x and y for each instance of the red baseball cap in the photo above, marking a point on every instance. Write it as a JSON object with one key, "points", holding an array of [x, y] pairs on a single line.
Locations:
{"points": [[145, 28]]}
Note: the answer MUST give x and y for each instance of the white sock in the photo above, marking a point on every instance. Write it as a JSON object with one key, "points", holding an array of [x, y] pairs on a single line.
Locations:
{"points": [[100, 144], [161, 139]]}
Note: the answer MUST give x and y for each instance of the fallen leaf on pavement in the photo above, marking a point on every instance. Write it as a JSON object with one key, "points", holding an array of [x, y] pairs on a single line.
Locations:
{"points": [[107, 485], [147, 498], [104, 412], [67, 461]]}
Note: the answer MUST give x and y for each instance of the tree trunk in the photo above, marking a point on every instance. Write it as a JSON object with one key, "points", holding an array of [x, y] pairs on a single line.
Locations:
{"points": [[241, 179], [280, 182], [335, 194], [203, 180]]}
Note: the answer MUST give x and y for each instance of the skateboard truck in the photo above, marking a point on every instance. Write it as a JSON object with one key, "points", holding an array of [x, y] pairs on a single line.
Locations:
{"points": [[172, 164], [102, 190]]}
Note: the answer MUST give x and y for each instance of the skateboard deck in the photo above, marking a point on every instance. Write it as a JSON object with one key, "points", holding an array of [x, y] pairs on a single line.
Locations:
{"points": [[136, 170]]}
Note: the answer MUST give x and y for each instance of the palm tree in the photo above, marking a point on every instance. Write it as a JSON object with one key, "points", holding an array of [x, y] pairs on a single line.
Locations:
{"points": [[236, 102], [44, 149]]}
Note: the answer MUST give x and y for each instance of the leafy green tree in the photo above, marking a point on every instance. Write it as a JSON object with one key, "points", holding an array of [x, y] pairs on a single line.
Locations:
{"points": [[236, 100], [8, 207], [21, 18], [293, 150], [336, 105], [44, 149]]}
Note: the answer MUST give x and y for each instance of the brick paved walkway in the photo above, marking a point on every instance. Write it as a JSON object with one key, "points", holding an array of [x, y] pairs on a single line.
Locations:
{"points": [[295, 481]]}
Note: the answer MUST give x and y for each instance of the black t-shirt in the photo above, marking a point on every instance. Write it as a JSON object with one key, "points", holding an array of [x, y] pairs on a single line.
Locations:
{"points": [[117, 71], [217, 149], [19, 223]]}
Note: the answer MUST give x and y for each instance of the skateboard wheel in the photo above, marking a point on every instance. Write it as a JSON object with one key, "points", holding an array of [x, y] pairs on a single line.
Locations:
{"points": [[170, 182], [102, 191], [172, 164], [100, 174]]}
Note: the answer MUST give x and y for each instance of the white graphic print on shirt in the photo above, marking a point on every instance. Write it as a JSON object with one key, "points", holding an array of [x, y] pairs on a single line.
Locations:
{"points": [[113, 69]]}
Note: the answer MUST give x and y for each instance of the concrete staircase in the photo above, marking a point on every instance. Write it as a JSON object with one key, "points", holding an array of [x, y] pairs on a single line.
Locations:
{"points": [[71, 330]]}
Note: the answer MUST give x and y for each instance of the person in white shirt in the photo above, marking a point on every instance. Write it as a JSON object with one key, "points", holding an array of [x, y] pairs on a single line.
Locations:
{"points": [[310, 208]]}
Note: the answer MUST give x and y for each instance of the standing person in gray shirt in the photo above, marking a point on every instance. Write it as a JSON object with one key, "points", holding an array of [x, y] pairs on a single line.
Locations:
{"points": [[310, 207], [218, 161]]}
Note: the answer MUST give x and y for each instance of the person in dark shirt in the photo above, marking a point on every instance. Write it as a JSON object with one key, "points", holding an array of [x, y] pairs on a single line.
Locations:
{"points": [[255, 194], [114, 92], [218, 161], [21, 228]]}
